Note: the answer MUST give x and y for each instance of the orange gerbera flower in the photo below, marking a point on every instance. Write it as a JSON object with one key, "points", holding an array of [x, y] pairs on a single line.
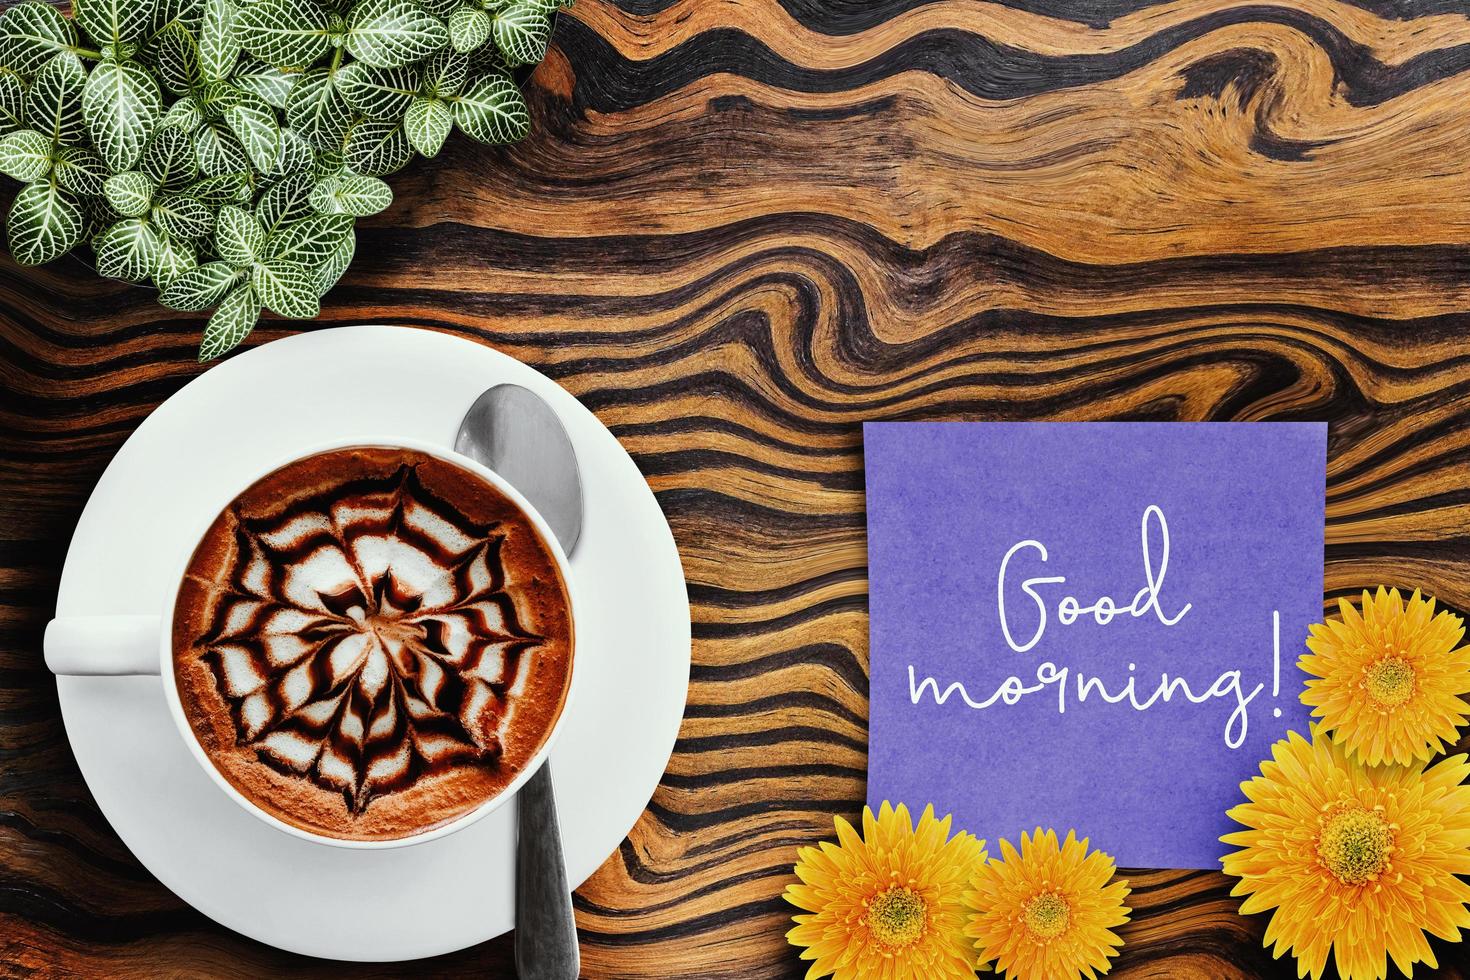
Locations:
{"points": [[1048, 912], [886, 905], [1389, 679], [1357, 860]]}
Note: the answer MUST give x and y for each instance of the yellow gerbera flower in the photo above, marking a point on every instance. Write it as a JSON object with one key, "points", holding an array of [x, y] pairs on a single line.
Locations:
{"points": [[1389, 679], [1048, 912], [1356, 859], [886, 905]]}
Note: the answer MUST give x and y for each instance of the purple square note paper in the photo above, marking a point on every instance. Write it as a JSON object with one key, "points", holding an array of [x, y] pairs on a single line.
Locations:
{"points": [[1089, 625]]}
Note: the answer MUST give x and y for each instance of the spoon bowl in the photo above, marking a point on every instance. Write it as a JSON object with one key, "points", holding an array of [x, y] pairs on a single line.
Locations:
{"points": [[512, 431]]}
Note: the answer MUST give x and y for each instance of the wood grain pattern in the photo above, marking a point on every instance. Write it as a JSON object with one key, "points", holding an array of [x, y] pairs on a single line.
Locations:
{"points": [[742, 227]]}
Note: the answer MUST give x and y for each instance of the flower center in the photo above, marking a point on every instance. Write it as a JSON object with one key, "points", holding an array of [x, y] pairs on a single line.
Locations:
{"points": [[1389, 682], [1046, 916], [1355, 843], [897, 917]]}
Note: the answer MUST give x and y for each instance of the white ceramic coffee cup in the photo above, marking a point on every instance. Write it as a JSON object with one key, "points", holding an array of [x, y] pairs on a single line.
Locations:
{"points": [[121, 645]]}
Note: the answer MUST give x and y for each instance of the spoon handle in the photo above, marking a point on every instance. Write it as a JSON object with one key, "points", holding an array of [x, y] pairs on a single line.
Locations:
{"points": [[546, 933]]}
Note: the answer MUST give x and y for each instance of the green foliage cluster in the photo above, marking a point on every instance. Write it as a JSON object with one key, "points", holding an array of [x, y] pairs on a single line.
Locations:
{"points": [[222, 149]]}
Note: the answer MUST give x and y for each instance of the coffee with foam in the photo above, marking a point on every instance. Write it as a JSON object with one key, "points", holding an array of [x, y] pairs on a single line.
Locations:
{"points": [[371, 642]]}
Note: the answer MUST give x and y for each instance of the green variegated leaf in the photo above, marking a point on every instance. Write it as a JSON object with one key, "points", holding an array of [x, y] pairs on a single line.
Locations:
{"points": [[294, 155], [116, 52], [12, 99], [286, 288], [521, 34], [213, 98], [25, 155], [177, 59], [317, 110], [114, 22], [427, 124], [254, 124], [174, 259], [170, 158], [377, 148], [128, 250], [184, 218], [469, 28], [54, 102], [121, 104], [378, 93], [45, 223], [328, 163], [493, 111], [217, 151], [389, 33], [222, 189], [33, 33], [79, 171], [219, 44], [130, 193], [183, 114], [289, 199], [444, 73], [440, 8], [352, 194], [200, 287], [239, 237], [311, 240], [284, 33], [266, 81], [230, 324], [336, 264], [185, 13]]}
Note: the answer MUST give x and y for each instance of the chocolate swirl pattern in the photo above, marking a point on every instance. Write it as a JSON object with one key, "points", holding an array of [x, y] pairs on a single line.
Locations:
{"points": [[368, 639], [738, 230]]}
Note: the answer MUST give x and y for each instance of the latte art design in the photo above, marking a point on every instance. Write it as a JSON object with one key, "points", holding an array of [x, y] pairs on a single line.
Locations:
{"points": [[367, 638]]}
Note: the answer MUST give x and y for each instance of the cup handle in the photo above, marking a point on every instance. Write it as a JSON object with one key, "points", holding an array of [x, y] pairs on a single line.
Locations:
{"points": [[109, 646]]}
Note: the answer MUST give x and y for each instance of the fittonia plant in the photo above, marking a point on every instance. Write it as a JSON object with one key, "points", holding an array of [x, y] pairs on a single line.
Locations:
{"points": [[222, 149]]}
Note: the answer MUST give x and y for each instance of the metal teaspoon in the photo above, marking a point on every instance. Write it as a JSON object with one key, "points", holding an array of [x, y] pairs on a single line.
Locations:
{"points": [[514, 432]]}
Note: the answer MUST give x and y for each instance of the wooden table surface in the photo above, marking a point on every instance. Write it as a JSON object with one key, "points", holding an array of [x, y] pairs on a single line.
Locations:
{"points": [[739, 229]]}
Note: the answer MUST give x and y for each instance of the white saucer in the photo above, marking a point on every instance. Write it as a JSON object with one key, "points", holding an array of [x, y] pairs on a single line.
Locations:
{"points": [[199, 447]]}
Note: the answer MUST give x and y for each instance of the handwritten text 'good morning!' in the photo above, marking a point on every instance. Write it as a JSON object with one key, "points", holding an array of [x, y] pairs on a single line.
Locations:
{"points": [[1133, 692]]}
